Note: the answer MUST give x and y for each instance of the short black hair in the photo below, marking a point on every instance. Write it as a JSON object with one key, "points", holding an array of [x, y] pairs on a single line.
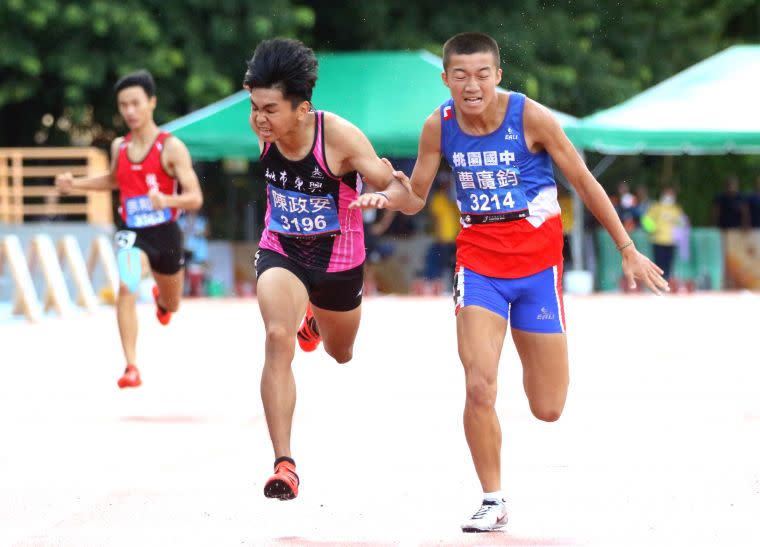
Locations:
{"points": [[284, 64], [141, 78], [467, 43]]}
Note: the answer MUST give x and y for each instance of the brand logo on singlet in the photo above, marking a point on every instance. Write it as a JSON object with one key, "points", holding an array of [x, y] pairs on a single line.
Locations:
{"points": [[137, 167], [510, 136], [317, 173], [545, 315], [447, 113], [314, 186], [152, 181]]}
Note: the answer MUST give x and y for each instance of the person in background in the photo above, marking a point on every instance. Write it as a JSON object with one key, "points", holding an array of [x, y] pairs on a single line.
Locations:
{"points": [[444, 214], [626, 207], [753, 203], [665, 221], [194, 226], [730, 209], [149, 167]]}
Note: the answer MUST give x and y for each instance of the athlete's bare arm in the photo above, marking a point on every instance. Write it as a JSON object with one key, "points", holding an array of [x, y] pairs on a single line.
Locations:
{"points": [[543, 132], [66, 182], [353, 152], [177, 163], [428, 161]]}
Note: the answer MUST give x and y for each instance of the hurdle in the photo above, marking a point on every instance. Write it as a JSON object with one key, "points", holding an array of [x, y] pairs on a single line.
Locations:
{"points": [[42, 253], [70, 254], [25, 299], [101, 253]]}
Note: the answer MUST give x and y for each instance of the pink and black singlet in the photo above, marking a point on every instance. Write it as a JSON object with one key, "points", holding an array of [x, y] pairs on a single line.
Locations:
{"points": [[307, 217]]}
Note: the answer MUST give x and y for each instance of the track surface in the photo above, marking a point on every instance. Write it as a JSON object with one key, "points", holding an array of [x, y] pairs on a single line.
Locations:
{"points": [[659, 443]]}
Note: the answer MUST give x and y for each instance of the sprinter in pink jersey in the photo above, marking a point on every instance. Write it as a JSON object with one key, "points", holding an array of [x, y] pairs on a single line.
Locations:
{"points": [[310, 262], [147, 167], [500, 146]]}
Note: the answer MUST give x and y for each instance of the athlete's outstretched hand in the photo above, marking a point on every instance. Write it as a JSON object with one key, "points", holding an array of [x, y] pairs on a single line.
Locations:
{"points": [[64, 182], [370, 200], [157, 199], [637, 266]]}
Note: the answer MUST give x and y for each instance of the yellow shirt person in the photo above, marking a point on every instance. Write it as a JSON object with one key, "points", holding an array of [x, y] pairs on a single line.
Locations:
{"points": [[662, 219]]}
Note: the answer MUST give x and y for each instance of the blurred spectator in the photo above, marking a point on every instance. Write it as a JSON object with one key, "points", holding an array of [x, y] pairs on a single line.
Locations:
{"points": [[444, 215], [376, 224], [753, 202], [729, 207], [194, 226], [626, 206], [667, 225], [643, 201]]}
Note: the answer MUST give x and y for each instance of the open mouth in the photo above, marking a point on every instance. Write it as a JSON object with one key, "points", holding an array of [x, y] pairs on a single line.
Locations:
{"points": [[473, 100]]}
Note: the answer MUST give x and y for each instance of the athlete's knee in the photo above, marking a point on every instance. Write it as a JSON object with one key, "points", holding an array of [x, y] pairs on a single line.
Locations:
{"points": [[341, 355], [279, 337], [170, 304], [481, 390], [547, 412], [125, 291]]}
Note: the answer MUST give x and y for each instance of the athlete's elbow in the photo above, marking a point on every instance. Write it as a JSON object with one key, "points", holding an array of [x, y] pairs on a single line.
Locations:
{"points": [[197, 202], [414, 207]]}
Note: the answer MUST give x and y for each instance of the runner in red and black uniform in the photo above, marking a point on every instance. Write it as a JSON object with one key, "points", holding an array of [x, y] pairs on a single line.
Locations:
{"points": [[311, 254], [147, 165]]}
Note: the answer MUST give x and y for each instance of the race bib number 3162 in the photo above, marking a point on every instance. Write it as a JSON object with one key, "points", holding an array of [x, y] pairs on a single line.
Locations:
{"points": [[297, 215], [140, 213]]}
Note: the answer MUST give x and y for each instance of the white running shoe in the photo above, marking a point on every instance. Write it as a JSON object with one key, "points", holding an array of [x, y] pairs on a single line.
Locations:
{"points": [[491, 516]]}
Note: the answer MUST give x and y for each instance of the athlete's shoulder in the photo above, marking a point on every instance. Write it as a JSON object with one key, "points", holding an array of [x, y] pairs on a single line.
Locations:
{"points": [[534, 113], [116, 144], [337, 126], [173, 145]]}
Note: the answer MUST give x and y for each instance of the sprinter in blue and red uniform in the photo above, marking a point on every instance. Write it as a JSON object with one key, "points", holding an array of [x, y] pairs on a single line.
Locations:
{"points": [[500, 147], [147, 167]]}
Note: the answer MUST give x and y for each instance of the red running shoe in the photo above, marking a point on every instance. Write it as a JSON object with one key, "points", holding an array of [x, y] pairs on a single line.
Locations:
{"points": [[283, 485], [308, 334], [130, 378], [163, 315]]}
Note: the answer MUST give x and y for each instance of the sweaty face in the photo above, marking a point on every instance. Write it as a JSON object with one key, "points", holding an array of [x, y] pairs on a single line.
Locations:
{"points": [[135, 106], [472, 80], [272, 115]]}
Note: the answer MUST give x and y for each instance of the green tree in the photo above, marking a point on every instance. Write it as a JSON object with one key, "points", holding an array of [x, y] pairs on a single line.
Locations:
{"points": [[60, 59]]}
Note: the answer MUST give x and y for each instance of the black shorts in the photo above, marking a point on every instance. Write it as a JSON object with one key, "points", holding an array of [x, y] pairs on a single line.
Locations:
{"points": [[334, 291], [162, 243]]}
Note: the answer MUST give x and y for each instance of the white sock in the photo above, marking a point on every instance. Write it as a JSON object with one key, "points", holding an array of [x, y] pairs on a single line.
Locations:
{"points": [[494, 496]]}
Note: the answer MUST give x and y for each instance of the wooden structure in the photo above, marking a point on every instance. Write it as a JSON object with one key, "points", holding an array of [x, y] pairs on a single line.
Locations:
{"points": [[42, 254], [70, 254], [25, 299], [27, 190], [101, 252]]}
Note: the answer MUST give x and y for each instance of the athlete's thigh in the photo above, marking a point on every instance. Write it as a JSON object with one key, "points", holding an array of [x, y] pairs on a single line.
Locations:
{"points": [[482, 315], [336, 302], [163, 245], [337, 328], [282, 298], [545, 367], [170, 287], [480, 338]]}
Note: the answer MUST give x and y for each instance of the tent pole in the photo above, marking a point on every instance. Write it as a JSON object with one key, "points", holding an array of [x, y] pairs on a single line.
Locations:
{"points": [[602, 166]]}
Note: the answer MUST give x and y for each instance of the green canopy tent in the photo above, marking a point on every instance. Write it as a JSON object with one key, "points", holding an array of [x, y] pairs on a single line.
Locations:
{"points": [[387, 95], [709, 108]]}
